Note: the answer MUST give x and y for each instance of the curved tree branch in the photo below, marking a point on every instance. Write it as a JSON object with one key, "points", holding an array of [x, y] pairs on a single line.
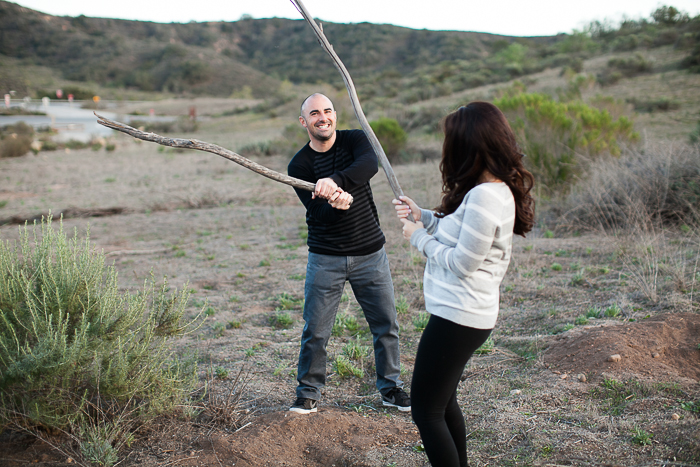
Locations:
{"points": [[347, 79], [208, 147]]}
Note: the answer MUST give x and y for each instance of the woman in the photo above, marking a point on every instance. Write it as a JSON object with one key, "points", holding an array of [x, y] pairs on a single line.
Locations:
{"points": [[467, 242]]}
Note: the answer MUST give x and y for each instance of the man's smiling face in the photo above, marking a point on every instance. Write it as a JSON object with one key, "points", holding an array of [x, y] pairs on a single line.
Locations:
{"points": [[319, 118]]}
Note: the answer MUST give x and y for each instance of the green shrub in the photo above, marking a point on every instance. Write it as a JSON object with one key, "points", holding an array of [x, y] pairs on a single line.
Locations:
{"points": [[345, 368], [581, 320], [613, 311], [356, 351], [75, 352], [553, 133], [402, 305], [641, 437], [281, 320], [391, 136], [420, 321], [288, 302]]}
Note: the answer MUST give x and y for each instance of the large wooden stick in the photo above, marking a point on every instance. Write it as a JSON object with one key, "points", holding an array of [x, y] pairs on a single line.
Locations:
{"points": [[347, 79], [208, 147]]}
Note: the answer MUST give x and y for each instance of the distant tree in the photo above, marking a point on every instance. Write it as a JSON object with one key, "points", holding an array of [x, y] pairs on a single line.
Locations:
{"points": [[669, 16], [390, 134], [577, 42]]}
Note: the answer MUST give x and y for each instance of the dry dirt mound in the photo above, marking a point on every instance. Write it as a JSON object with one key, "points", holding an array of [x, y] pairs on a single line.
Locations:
{"points": [[664, 347], [330, 437]]}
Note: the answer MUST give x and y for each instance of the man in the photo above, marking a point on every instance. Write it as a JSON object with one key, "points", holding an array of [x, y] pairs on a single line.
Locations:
{"points": [[345, 244]]}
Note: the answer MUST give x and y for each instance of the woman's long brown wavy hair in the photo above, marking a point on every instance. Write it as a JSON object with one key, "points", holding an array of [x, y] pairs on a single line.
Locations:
{"points": [[477, 138]]}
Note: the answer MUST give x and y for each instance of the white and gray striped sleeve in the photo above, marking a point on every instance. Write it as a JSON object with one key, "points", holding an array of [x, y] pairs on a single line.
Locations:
{"points": [[473, 236], [430, 222]]}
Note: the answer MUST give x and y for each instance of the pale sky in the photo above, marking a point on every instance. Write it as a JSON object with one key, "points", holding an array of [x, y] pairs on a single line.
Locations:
{"points": [[507, 17]]}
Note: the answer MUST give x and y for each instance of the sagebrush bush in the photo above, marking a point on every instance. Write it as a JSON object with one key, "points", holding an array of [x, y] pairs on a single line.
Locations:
{"points": [[73, 347], [555, 135], [660, 185]]}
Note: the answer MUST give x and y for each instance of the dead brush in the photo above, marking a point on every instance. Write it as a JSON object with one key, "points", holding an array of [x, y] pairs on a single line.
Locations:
{"points": [[660, 183], [225, 404], [646, 204]]}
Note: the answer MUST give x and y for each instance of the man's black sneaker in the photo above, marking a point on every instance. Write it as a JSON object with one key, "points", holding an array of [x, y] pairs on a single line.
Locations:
{"points": [[397, 398], [304, 405]]}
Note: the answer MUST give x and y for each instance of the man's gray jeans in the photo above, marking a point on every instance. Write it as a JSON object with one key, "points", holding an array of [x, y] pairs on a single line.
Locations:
{"points": [[370, 279]]}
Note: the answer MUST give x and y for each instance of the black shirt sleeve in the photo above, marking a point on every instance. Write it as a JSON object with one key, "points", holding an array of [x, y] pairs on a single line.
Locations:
{"points": [[300, 167], [365, 165]]}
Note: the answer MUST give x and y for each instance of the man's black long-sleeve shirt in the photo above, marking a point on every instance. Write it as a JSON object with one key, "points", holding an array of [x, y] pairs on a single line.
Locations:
{"points": [[350, 163]]}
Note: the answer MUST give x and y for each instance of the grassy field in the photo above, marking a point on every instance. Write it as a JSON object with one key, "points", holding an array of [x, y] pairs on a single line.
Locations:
{"points": [[237, 241]]}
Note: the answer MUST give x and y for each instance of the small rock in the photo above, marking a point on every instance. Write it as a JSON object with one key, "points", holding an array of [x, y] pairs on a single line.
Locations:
{"points": [[614, 358], [655, 355], [675, 416], [515, 392], [564, 376], [581, 377]]}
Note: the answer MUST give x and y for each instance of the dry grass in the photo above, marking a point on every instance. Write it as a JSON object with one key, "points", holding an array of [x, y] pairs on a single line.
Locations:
{"points": [[237, 239]]}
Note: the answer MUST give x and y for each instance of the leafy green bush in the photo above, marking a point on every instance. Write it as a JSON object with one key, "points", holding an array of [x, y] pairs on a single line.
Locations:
{"points": [[391, 136], [552, 134], [75, 353]]}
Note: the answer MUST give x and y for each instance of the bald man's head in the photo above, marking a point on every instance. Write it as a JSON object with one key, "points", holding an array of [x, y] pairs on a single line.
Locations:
{"points": [[312, 97], [318, 117]]}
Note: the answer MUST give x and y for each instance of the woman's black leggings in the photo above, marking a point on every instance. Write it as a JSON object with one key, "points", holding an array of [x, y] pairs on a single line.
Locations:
{"points": [[443, 352]]}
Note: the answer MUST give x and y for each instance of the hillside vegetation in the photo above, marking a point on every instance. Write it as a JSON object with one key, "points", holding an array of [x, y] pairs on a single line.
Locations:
{"points": [[252, 57]]}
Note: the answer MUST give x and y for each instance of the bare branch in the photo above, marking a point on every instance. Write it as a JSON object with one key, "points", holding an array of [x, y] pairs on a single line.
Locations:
{"points": [[208, 147], [347, 79]]}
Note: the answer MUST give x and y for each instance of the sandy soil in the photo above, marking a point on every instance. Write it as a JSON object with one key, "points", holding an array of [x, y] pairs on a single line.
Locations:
{"points": [[237, 241]]}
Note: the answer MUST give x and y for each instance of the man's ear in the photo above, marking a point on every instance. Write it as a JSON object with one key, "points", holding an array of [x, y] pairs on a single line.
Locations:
{"points": [[302, 121]]}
